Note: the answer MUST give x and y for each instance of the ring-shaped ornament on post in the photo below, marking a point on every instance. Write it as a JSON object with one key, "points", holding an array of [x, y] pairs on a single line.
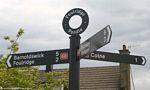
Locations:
{"points": [[85, 21]]}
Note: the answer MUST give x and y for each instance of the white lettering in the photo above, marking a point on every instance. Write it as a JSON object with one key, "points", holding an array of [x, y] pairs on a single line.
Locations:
{"points": [[99, 56], [80, 12], [20, 63], [85, 45], [75, 32], [85, 51], [85, 48], [29, 56]]}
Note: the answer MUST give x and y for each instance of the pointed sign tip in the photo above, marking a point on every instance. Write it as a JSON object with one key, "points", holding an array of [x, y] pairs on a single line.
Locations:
{"points": [[144, 60], [109, 32], [8, 61]]}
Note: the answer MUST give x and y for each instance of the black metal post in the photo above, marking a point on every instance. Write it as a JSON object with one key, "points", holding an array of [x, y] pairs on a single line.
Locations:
{"points": [[49, 68], [74, 66]]}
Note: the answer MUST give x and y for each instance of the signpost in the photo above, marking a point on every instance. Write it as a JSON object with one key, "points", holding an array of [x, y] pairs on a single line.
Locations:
{"points": [[95, 42], [114, 57], [74, 65], [73, 55], [37, 58]]}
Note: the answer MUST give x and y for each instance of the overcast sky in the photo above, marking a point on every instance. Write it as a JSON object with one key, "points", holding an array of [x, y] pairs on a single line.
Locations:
{"points": [[42, 22]]}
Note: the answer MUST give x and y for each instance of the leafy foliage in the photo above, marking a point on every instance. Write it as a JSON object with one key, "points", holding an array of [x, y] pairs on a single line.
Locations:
{"points": [[55, 79], [27, 77], [14, 46], [24, 77]]}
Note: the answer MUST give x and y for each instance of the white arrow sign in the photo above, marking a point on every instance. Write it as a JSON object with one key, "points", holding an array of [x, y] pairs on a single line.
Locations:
{"points": [[8, 60], [97, 41]]}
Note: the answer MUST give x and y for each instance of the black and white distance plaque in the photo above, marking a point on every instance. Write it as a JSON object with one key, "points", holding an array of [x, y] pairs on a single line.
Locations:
{"points": [[85, 20]]}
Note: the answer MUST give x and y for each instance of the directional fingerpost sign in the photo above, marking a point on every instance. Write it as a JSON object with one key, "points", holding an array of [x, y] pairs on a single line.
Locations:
{"points": [[114, 57], [38, 58], [97, 41]]}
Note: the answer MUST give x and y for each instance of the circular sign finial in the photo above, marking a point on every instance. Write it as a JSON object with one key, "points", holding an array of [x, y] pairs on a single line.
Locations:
{"points": [[85, 21]]}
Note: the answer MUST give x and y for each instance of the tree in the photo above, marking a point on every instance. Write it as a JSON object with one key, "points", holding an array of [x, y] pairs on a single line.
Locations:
{"points": [[24, 77], [14, 46]]}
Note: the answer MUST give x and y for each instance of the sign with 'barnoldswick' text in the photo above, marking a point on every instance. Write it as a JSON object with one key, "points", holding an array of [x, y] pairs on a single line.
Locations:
{"points": [[38, 58]]}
